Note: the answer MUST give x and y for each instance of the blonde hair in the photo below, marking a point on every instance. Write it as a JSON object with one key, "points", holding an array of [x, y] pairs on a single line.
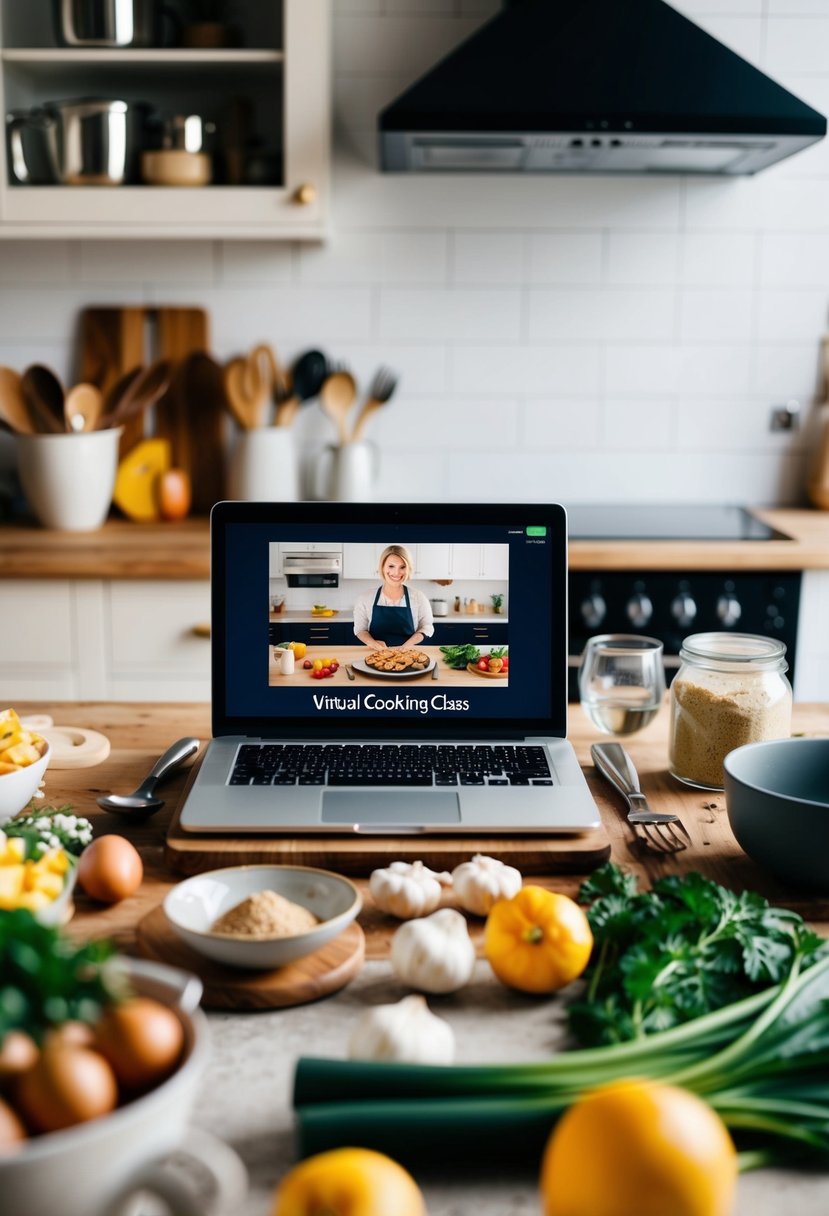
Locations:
{"points": [[396, 551]]}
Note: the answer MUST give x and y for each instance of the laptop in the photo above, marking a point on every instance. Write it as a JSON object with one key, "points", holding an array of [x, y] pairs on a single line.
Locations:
{"points": [[431, 734]]}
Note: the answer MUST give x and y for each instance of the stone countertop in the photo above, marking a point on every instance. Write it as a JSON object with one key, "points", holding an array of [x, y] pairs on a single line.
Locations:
{"points": [[181, 550]]}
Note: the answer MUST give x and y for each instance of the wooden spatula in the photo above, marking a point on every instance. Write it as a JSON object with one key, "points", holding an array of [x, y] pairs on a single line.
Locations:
{"points": [[13, 408]]}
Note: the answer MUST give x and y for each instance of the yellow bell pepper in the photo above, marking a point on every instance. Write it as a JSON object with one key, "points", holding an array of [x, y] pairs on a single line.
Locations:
{"points": [[299, 649], [538, 941]]}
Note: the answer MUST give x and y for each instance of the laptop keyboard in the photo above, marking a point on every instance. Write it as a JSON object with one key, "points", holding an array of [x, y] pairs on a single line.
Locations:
{"points": [[428, 764]]}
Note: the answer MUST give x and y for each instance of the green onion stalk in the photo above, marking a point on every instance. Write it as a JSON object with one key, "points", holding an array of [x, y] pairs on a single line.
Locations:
{"points": [[762, 1063]]}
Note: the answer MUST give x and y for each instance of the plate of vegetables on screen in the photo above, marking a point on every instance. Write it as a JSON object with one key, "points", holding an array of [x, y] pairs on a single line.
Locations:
{"points": [[492, 666]]}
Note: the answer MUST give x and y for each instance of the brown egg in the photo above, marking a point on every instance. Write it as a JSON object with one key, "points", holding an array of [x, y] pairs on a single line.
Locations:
{"points": [[142, 1039], [12, 1131], [17, 1053], [110, 869], [67, 1085], [74, 1034]]}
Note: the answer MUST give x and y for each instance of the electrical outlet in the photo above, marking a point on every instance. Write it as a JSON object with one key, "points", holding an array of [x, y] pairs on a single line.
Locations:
{"points": [[785, 417]]}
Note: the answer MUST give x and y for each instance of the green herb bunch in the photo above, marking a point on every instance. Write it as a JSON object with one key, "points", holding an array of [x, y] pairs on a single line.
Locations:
{"points": [[459, 656], [46, 979], [51, 827], [686, 947]]}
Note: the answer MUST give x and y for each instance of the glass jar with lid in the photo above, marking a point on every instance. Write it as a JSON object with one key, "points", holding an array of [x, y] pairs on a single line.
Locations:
{"points": [[730, 689]]}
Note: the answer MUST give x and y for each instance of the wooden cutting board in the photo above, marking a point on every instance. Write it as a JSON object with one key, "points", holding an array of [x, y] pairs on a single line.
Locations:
{"points": [[308, 979], [192, 412], [112, 342]]}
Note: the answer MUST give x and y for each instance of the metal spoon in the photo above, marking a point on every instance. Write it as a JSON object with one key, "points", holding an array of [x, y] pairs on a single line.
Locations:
{"points": [[143, 800]]}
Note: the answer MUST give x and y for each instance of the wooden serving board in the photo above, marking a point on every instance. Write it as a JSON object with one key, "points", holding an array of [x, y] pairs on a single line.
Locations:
{"points": [[320, 974], [487, 675]]}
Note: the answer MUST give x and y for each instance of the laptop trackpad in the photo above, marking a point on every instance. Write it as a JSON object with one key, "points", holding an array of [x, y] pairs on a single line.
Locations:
{"points": [[375, 809]]}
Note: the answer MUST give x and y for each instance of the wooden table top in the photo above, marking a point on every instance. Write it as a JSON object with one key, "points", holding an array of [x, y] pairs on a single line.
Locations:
{"points": [[123, 549], [139, 732]]}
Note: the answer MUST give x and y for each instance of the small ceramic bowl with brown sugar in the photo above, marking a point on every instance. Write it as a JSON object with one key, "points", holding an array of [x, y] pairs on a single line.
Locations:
{"points": [[261, 916]]}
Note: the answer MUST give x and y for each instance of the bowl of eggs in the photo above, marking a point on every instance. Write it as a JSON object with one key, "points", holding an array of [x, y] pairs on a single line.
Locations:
{"points": [[96, 1105], [24, 758], [261, 916]]}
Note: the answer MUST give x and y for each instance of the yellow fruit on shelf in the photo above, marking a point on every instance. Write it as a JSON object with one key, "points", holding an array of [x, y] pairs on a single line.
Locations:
{"points": [[663, 1150], [538, 941], [136, 482]]}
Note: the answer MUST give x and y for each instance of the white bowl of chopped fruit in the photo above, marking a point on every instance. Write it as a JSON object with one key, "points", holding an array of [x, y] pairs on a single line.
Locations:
{"points": [[24, 758], [261, 916]]}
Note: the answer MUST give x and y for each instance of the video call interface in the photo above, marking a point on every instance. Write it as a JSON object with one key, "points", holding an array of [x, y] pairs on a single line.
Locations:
{"points": [[394, 622]]}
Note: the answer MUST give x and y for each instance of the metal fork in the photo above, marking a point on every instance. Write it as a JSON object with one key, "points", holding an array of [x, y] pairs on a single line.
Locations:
{"points": [[660, 830], [383, 384]]}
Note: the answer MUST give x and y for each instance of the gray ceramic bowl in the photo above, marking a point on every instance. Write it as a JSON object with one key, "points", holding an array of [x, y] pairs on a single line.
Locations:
{"points": [[777, 795]]}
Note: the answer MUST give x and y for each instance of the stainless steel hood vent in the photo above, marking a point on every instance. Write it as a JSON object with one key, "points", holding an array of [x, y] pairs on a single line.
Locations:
{"points": [[594, 86]]}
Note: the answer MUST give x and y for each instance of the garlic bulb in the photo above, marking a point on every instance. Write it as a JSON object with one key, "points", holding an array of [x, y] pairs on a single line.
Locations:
{"points": [[479, 883], [407, 1032], [434, 953], [407, 890]]}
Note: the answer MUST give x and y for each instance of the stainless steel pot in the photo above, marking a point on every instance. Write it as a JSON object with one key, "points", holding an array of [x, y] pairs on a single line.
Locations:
{"points": [[88, 142], [107, 22]]}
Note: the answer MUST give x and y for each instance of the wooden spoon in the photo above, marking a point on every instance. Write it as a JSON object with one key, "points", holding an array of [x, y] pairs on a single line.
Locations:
{"points": [[43, 394], [337, 397], [140, 391], [83, 407], [13, 410], [242, 406]]}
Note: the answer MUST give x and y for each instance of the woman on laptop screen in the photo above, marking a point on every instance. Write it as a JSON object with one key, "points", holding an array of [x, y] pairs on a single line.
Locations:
{"points": [[395, 615]]}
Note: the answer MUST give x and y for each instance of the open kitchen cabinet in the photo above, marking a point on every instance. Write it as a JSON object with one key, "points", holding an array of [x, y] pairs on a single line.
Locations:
{"points": [[270, 99]]}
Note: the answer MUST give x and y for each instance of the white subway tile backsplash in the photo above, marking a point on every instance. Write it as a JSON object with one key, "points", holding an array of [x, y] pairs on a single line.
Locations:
{"points": [[549, 368], [635, 258], [36, 262], [796, 44], [742, 34], [185, 263], [798, 259], [711, 259], [562, 425], [489, 257], [449, 315], [787, 371], [792, 316], [428, 424], [637, 426], [582, 314], [254, 262], [367, 257], [401, 45], [652, 370], [727, 424], [565, 257], [718, 314]]}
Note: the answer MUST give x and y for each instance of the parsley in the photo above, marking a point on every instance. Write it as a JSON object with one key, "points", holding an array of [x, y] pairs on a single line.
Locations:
{"points": [[683, 949]]}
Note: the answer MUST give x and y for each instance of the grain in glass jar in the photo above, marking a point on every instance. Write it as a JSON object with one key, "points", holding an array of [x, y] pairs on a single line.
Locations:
{"points": [[730, 689]]}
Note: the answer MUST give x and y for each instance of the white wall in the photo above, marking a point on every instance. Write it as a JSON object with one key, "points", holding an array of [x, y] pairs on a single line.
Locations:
{"points": [[584, 338]]}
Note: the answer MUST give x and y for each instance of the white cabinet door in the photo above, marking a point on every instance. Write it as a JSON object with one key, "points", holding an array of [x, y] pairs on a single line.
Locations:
{"points": [[274, 561], [282, 79], [466, 561], [495, 561], [156, 652], [360, 559], [812, 667], [310, 546], [38, 641], [432, 561]]}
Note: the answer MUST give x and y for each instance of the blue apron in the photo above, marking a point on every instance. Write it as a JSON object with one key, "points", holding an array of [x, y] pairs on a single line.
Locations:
{"points": [[394, 626]]}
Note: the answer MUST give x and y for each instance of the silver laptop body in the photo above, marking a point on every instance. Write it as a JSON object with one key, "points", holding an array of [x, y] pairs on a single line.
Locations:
{"points": [[257, 713]]}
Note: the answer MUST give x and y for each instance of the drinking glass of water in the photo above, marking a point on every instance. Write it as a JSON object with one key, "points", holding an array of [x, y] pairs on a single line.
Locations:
{"points": [[621, 681]]}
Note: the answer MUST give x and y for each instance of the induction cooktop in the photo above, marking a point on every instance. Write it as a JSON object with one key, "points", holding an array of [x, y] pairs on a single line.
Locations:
{"points": [[667, 521]]}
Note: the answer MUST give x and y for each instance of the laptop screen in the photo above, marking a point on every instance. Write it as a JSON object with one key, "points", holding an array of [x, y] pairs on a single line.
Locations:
{"points": [[349, 620]]}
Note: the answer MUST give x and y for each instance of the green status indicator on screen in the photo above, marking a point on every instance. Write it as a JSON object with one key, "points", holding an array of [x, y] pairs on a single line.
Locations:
{"points": [[536, 530]]}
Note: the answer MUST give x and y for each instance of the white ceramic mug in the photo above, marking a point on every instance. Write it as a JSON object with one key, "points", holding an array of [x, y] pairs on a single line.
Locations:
{"points": [[348, 473], [68, 479], [263, 466]]}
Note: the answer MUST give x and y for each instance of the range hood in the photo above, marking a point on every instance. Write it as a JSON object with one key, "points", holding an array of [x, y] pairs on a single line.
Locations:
{"points": [[594, 86]]}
